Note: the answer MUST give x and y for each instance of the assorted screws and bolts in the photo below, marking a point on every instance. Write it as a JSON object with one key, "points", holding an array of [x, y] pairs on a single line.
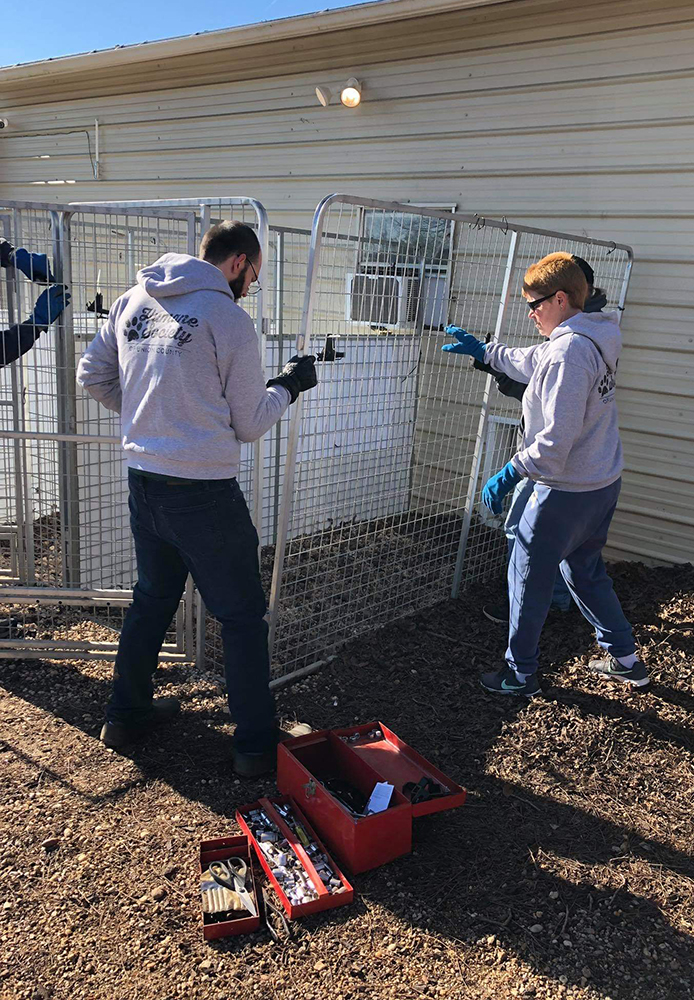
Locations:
{"points": [[375, 734], [284, 864]]}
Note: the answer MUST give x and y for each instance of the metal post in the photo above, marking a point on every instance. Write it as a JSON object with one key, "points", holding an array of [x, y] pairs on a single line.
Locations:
{"points": [[23, 405], [484, 418], [17, 424], [130, 254], [625, 285], [66, 391], [188, 637], [200, 632], [204, 219], [191, 225], [262, 320], [279, 323]]}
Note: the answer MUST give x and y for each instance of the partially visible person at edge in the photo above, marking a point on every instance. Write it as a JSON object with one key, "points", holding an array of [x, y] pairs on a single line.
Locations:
{"points": [[507, 386], [572, 454], [179, 360], [21, 337]]}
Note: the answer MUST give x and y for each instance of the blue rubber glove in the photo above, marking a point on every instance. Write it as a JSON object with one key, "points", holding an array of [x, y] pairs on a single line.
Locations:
{"points": [[49, 306], [34, 265], [467, 344], [499, 486]]}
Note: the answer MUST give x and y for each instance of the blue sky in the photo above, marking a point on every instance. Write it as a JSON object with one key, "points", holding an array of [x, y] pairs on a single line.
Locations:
{"points": [[48, 28]]}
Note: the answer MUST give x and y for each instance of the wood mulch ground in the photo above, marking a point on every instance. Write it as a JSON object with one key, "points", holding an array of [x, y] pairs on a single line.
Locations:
{"points": [[568, 873]]}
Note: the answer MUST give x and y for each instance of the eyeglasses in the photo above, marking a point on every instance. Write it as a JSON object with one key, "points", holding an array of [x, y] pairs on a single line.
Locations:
{"points": [[532, 306], [253, 290]]}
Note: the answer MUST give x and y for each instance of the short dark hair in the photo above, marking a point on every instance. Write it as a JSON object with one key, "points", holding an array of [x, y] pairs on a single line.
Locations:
{"points": [[586, 268], [229, 238]]}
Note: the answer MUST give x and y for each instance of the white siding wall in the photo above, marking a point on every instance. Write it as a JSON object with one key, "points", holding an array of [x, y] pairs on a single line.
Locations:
{"points": [[576, 119]]}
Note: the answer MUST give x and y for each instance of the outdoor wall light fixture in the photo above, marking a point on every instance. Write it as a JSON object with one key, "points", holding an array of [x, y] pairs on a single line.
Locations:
{"points": [[351, 93]]}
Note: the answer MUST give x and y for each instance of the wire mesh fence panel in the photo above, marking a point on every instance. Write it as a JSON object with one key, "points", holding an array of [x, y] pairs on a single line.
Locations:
{"points": [[56, 624], [62, 464], [284, 280], [381, 510], [107, 249], [257, 465]]}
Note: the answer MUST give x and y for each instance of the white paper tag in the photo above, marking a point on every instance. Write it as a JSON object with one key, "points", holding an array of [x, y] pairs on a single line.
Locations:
{"points": [[380, 798]]}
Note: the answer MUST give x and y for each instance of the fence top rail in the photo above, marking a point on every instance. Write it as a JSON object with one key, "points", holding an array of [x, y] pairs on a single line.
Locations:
{"points": [[186, 202], [475, 220], [107, 208], [97, 207], [154, 203], [10, 206], [292, 230]]}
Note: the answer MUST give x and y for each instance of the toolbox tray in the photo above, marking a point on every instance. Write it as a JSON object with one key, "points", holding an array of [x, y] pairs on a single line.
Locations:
{"points": [[219, 850], [326, 900], [395, 761]]}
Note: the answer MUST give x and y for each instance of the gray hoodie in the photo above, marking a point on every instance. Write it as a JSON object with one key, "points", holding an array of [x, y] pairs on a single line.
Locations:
{"points": [[179, 360], [571, 439]]}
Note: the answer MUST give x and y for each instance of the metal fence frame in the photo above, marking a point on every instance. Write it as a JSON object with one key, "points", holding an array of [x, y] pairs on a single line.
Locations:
{"points": [[200, 644], [515, 234], [196, 213], [23, 591]]}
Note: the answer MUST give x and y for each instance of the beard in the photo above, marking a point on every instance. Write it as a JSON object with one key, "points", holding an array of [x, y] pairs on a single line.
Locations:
{"points": [[237, 284]]}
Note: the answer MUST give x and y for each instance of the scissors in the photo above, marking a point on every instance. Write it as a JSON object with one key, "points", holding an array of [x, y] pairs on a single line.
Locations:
{"points": [[233, 874]]}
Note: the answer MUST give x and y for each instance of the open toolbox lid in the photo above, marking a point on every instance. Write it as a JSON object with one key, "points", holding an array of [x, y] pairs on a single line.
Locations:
{"points": [[399, 764]]}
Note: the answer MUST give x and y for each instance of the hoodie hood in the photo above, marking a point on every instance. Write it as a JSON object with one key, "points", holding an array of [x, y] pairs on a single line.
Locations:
{"points": [[601, 328], [596, 302], [180, 274]]}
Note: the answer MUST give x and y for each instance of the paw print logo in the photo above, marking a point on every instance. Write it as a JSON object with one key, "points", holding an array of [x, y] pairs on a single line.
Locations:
{"points": [[606, 384], [133, 328]]}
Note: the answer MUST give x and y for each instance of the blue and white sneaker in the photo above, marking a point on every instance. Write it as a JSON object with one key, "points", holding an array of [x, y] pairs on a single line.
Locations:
{"points": [[504, 681], [636, 675]]}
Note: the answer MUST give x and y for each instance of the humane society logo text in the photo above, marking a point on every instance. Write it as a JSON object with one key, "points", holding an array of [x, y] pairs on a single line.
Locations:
{"points": [[152, 324]]}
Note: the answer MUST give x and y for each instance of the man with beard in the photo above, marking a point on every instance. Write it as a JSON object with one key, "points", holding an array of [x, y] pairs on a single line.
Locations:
{"points": [[179, 360]]}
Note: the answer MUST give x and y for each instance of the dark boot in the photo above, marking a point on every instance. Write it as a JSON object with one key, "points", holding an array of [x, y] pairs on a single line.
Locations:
{"points": [[255, 765], [116, 735]]}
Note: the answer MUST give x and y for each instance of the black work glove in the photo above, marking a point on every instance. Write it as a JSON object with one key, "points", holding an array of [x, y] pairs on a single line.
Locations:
{"points": [[298, 375]]}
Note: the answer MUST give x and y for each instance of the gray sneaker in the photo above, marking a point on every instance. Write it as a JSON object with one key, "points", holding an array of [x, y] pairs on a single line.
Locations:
{"points": [[636, 675]]}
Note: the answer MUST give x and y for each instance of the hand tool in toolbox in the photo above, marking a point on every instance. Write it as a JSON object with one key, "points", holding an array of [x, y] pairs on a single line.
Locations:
{"points": [[233, 874], [227, 887]]}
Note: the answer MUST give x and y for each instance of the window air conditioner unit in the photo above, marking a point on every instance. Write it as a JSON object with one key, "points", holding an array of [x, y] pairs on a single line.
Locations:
{"points": [[383, 300]]}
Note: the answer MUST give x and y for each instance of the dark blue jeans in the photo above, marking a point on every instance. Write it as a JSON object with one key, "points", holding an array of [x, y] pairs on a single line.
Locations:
{"points": [[568, 531], [204, 529]]}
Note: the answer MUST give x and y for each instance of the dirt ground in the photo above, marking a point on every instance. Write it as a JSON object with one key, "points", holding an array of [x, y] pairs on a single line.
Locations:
{"points": [[568, 872]]}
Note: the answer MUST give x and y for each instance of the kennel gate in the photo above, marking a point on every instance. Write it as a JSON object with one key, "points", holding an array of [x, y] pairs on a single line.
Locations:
{"points": [[381, 511], [65, 542], [102, 246]]}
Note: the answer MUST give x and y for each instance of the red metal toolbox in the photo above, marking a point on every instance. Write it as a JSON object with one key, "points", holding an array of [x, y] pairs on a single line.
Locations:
{"points": [[326, 900], [361, 843], [219, 850], [363, 760]]}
